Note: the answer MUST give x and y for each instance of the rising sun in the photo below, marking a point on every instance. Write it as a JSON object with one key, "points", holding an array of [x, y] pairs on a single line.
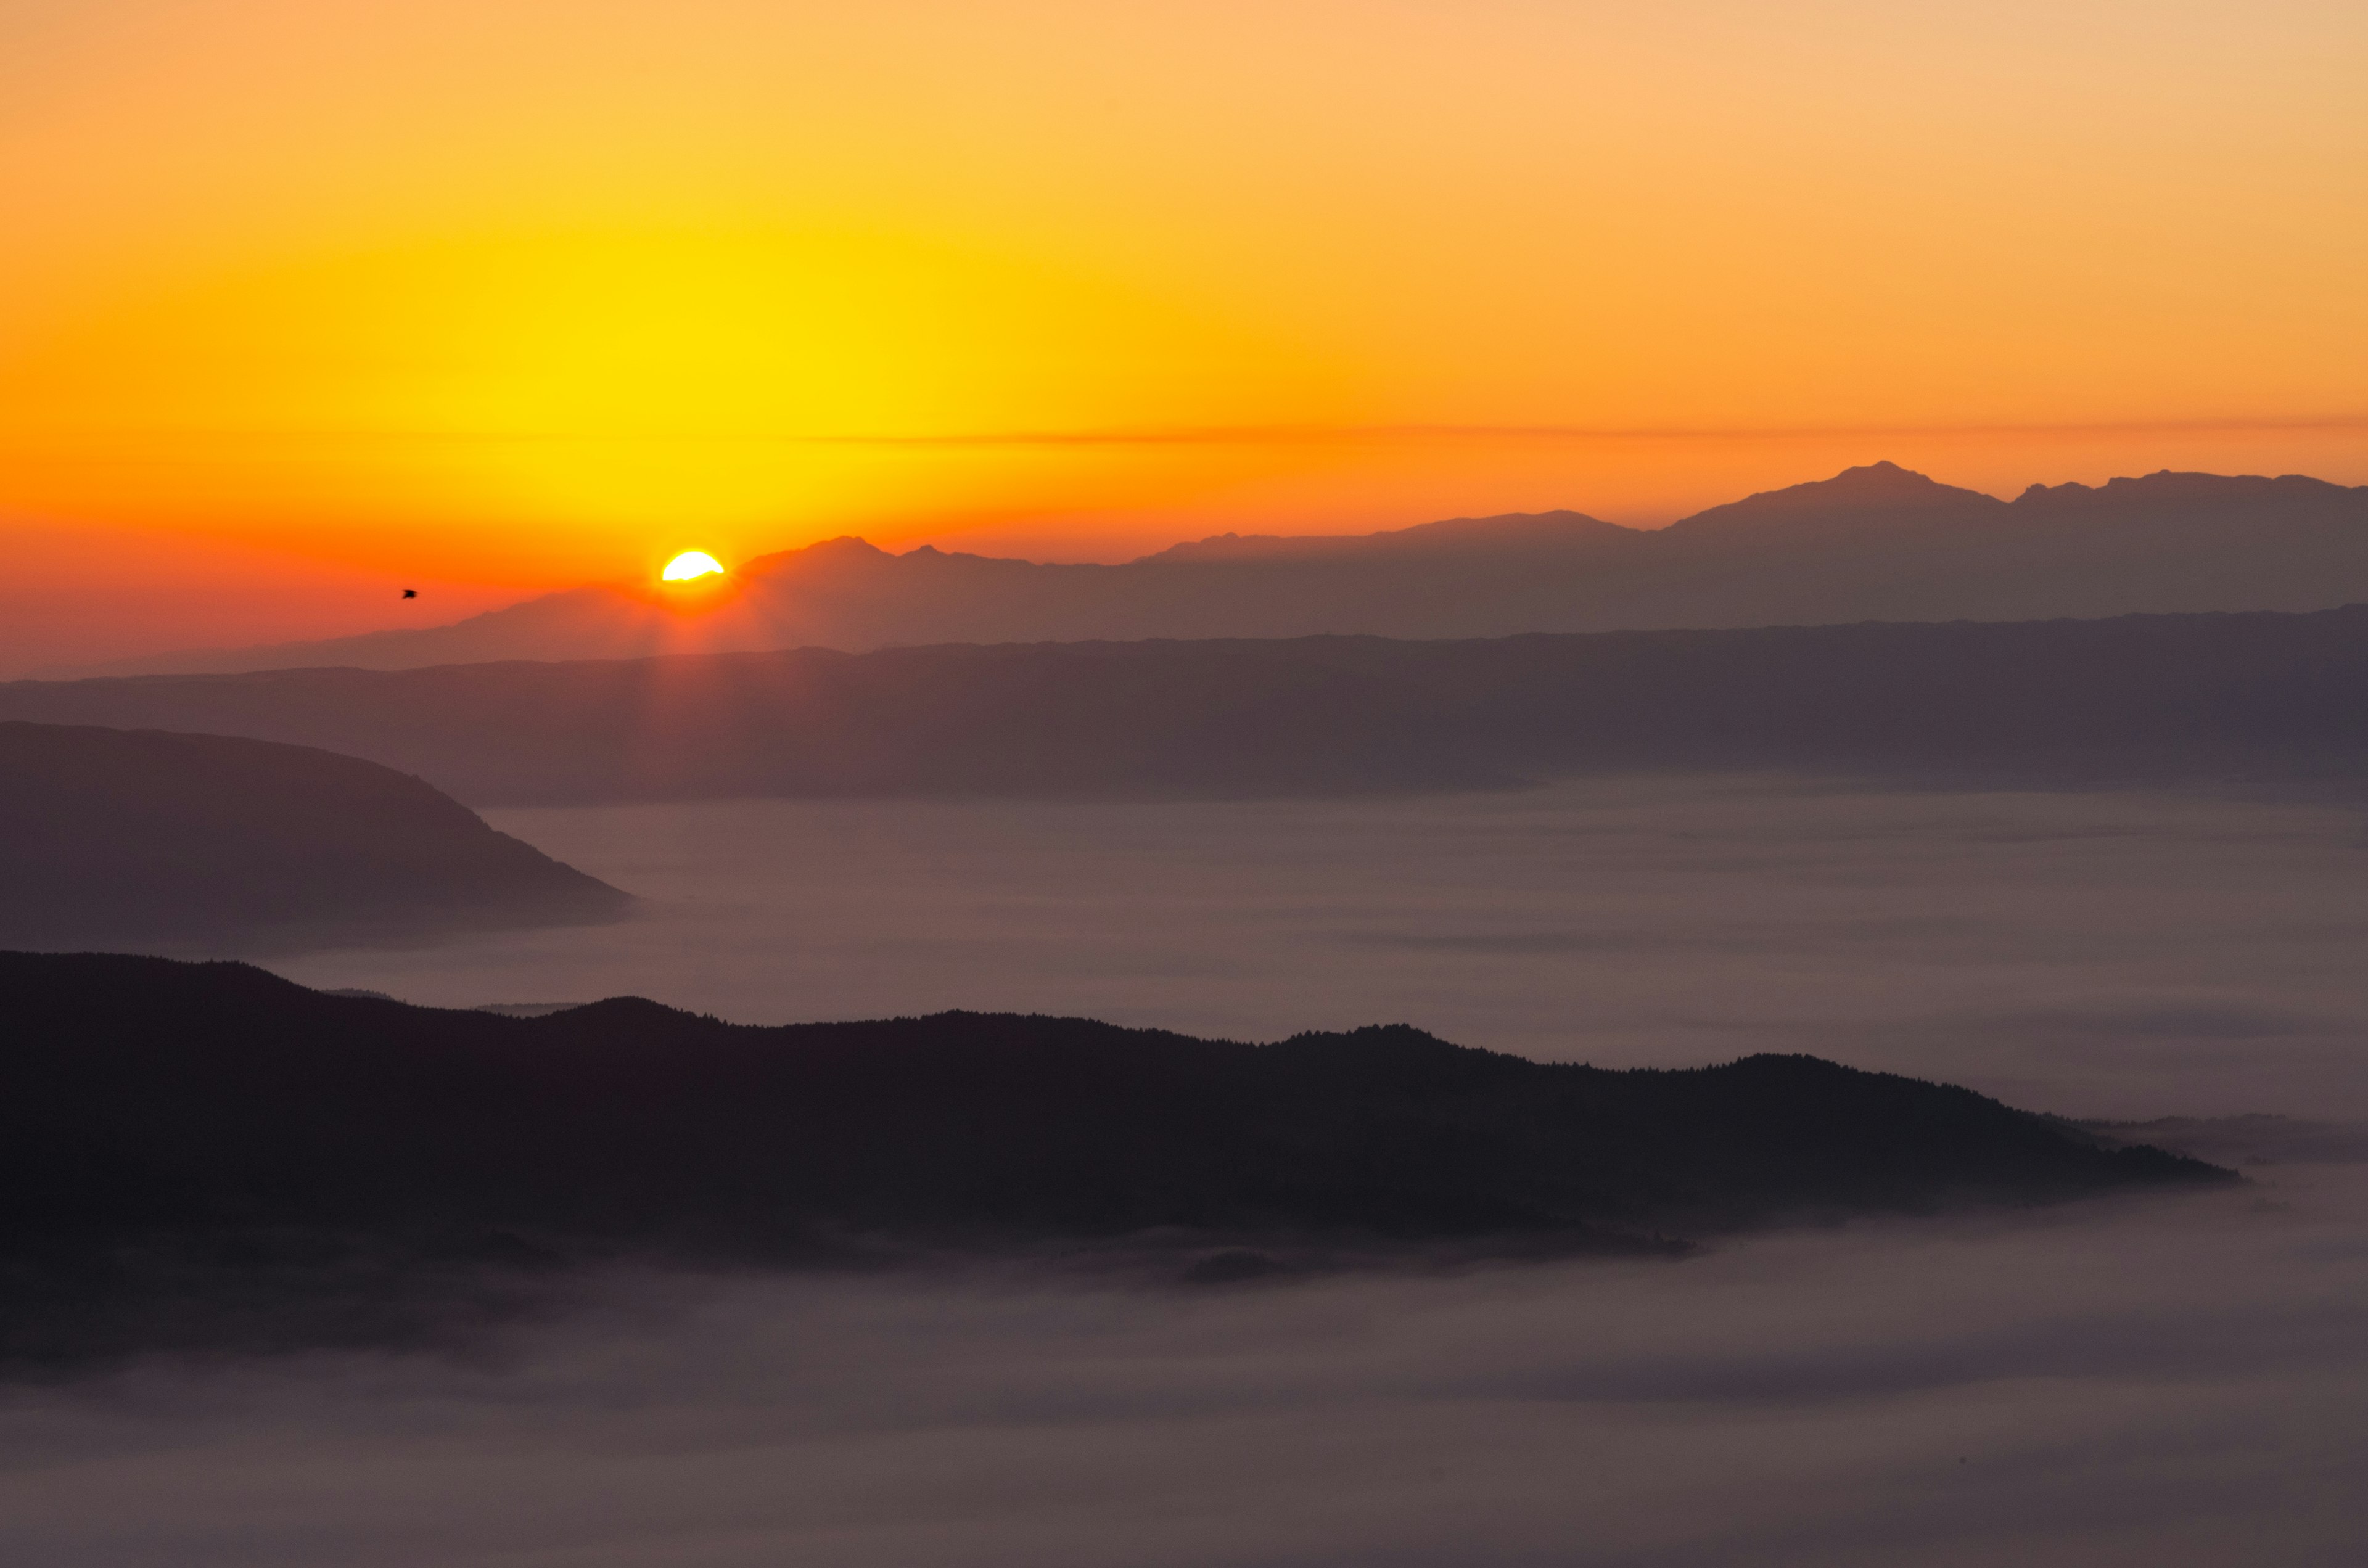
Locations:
{"points": [[690, 563]]}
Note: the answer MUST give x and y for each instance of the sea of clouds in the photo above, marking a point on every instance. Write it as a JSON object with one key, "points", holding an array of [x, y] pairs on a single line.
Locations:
{"points": [[2152, 1382], [2105, 954], [2157, 1381]]}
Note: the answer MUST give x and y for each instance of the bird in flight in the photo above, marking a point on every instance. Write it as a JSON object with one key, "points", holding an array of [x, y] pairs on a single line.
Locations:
{"points": [[411, 592]]}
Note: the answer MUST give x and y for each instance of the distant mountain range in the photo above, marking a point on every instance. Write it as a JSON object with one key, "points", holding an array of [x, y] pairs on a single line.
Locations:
{"points": [[186, 1149], [2257, 700], [113, 838], [1873, 543]]}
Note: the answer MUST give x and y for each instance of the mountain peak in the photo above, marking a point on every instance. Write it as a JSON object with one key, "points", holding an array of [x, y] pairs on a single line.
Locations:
{"points": [[1876, 481], [849, 546], [1882, 488]]}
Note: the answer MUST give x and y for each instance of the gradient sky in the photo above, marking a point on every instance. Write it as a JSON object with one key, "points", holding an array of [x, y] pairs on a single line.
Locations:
{"points": [[508, 294]]}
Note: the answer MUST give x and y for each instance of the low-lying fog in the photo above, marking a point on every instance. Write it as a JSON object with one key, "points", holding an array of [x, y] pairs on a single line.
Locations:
{"points": [[2093, 954], [2163, 1382], [2150, 1385]]}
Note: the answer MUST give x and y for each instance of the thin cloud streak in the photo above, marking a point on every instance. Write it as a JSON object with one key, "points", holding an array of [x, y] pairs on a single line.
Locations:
{"points": [[1286, 435]]}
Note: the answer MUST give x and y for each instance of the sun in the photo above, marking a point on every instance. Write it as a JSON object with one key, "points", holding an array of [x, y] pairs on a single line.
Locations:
{"points": [[690, 563]]}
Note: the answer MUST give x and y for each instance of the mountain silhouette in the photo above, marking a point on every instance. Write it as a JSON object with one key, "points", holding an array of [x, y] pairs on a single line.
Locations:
{"points": [[1872, 543], [2254, 700], [217, 1120], [1876, 498], [194, 842]]}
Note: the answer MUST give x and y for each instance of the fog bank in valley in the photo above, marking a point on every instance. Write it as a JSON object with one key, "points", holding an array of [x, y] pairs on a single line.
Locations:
{"points": [[2163, 1383], [2093, 954], [2177, 1383]]}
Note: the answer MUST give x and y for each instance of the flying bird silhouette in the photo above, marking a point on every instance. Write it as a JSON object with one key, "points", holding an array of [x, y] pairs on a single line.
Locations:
{"points": [[411, 592]]}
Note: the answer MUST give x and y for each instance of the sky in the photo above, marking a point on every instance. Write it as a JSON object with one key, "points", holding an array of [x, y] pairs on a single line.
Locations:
{"points": [[300, 299]]}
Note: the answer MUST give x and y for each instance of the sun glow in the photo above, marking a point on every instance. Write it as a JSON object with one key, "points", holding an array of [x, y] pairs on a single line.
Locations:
{"points": [[691, 564], [495, 294]]}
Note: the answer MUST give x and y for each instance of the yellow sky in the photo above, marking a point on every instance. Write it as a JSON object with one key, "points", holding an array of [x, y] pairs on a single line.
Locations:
{"points": [[531, 292]]}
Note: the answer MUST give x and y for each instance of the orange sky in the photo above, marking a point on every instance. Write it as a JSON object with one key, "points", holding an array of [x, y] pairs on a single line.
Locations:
{"points": [[510, 293]]}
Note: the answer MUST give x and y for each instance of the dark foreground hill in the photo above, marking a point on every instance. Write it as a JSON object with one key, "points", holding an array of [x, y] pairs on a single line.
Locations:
{"points": [[1872, 543], [136, 838], [2252, 699], [256, 1136]]}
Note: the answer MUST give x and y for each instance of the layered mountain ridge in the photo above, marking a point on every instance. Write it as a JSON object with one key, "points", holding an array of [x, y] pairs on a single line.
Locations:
{"points": [[1872, 543], [2256, 701]]}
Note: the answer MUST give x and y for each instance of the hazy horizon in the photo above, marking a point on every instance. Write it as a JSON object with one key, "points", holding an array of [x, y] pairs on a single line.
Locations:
{"points": [[2251, 547]]}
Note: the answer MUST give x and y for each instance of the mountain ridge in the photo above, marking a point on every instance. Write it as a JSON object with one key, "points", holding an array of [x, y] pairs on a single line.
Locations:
{"points": [[189, 1136], [2254, 701], [114, 837], [1874, 542]]}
